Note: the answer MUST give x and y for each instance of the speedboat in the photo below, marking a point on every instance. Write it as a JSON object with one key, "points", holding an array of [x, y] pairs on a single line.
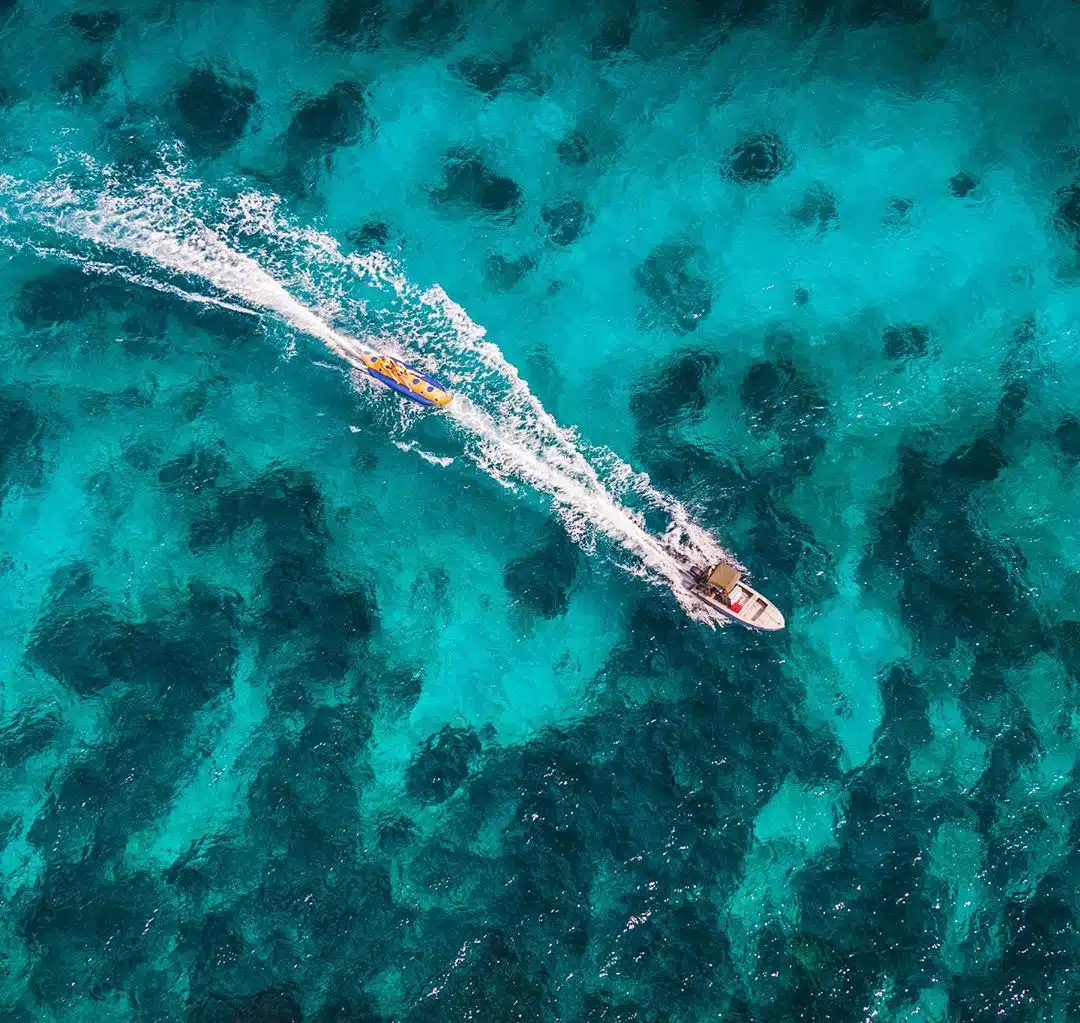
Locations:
{"points": [[723, 589], [408, 382]]}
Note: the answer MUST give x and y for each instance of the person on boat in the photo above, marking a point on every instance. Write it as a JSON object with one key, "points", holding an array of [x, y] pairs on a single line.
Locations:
{"points": [[726, 600], [720, 582]]}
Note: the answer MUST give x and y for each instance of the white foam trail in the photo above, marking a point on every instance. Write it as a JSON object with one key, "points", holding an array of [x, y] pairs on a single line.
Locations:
{"points": [[155, 227], [580, 504], [508, 431], [204, 254], [427, 456], [523, 421], [100, 268], [693, 542]]}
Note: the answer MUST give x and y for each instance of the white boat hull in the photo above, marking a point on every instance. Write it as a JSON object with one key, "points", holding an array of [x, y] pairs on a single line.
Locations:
{"points": [[755, 611]]}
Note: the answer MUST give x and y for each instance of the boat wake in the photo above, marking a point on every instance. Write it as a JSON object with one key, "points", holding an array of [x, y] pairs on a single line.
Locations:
{"points": [[244, 250]]}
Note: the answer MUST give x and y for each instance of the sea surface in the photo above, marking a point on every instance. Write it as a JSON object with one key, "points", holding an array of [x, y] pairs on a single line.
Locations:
{"points": [[316, 706]]}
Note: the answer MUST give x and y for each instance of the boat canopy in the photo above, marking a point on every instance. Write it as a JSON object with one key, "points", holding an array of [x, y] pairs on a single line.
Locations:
{"points": [[724, 577]]}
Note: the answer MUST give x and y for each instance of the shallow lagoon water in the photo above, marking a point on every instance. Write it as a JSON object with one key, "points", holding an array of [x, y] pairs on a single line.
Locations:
{"points": [[316, 707]]}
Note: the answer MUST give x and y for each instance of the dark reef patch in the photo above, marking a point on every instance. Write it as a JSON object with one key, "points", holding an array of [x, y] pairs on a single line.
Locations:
{"points": [[864, 13], [615, 32], [573, 149], [490, 75], [764, 388], [978, 462], [76, 639], [399, 689], [757, 159], [188, 658], [21, 431], [880, 870], [337, 118], [170, 668], [496, 983], [542, 580], [227, 328], [395, 834], [370, 236], [1010, 839], [274, 1005], [62, 295], [1067, 436], [214, 110], [905, 341], [729, 14], [559, 832], [1016, 395], [564, 220], [1014, 750], [486, 76], [1036, 933], [779, 397], [897, 211], [1067, 212], [432, 24], [469, 181], [962, 185], [678, 297], [362, 1009], [442, 764], [97, 26], [305, 794], [696, 954], [196, 400], [677, 464], [354, 24], [1013, 402], [285, 502], [85, 78], [145, 341], [673, 390], [963, 584], [543, 373], [195, 470], [802, 570], [906, 708], [300, 597], [26, 736], [100, 403], [74, 911], [818, 210], [502, 274], [141, 455], [211, 949]]}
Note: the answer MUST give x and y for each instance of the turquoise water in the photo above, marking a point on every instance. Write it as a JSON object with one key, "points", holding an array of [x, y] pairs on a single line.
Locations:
{"points": [[317, 706]]}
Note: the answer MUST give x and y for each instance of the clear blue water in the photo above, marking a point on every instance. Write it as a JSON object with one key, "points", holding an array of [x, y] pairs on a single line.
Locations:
{"points": [[315, 706]]}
